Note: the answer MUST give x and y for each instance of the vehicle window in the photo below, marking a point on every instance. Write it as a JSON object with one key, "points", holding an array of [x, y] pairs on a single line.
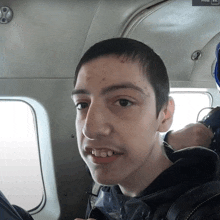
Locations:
{"points": [[20, 173], [187, 107]]}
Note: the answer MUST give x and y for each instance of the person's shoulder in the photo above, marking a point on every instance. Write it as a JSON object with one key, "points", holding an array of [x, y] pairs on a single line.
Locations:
{"points": [[23, 214], [200, 203], [209, 210]]}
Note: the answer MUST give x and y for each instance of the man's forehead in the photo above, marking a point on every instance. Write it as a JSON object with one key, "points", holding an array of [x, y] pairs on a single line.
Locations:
{"points": [[109, 73], [109, 58], [110, 65]]}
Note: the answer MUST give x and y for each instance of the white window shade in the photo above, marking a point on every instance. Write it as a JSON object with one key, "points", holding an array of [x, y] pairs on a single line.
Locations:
{"points": [[20, 172]]}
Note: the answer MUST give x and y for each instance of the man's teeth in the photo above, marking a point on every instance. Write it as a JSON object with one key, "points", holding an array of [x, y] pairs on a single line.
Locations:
{"points": [[101, 153], [110, 153]]}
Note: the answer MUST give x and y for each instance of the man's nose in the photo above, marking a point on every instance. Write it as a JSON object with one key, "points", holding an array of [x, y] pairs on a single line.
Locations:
{"points": [[97, 123]]}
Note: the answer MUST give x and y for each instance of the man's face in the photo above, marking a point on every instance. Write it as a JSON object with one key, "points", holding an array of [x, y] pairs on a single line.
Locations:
{"points": [[116, 119]]}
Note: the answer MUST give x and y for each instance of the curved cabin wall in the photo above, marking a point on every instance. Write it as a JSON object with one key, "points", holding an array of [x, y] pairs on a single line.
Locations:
{"points": [[41, 46]]}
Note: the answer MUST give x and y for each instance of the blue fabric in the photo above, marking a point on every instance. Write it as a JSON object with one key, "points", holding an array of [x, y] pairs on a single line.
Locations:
{"points": [[119, 207], [216, 70]]}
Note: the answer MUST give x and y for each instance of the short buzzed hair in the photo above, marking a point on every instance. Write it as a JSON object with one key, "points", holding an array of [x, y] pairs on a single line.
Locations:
{"points": [[152, 65]]}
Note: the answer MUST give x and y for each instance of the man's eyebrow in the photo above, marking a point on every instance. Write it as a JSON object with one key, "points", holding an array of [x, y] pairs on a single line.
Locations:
{"points": [[111, 88], [121, 86], [80, 91]]}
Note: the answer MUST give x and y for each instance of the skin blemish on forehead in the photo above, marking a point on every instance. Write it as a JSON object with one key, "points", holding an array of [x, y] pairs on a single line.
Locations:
{"points": [[103, 79], [88, 78], [123, 59]]}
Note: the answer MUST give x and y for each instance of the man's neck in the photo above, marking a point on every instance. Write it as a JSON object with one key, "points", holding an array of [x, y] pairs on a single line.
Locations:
{"points": [[141, 179]]}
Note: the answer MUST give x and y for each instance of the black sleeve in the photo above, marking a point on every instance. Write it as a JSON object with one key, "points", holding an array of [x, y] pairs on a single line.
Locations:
{"points": [[24, 214], [210, 211]]}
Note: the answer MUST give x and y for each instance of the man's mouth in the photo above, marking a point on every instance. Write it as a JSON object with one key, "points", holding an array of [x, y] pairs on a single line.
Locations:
{"points": [[103, 153], [103, 156]]}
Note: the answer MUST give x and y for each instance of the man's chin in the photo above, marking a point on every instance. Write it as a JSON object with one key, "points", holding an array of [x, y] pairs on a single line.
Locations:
{"points": [[105, 181]]}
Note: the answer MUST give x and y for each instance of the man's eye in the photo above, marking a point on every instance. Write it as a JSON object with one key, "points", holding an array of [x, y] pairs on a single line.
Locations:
{"points": [[81, 105], [124, 102]]}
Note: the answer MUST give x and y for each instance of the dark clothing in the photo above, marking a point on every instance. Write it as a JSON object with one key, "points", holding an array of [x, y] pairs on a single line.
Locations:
{"points": [[192, 167], [23, 214], [12, 212]]}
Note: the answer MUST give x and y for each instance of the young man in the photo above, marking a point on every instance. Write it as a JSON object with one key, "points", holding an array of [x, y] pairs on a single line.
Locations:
{"points": [[122, 98]]}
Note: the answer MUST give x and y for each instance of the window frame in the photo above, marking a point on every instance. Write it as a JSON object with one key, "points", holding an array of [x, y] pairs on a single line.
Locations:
{"points": [[50, 201]]}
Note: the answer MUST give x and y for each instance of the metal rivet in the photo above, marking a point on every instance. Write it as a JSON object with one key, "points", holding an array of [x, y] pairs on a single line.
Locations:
{"points": [[196, 55], [72, 135], [6, 15]]}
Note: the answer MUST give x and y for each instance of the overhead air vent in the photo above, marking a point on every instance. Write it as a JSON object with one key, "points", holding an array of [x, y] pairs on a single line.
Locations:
{"points": [[6, 15], [195, 56]]}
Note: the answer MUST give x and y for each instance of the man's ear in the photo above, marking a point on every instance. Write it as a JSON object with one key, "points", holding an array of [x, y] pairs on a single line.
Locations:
{"points": [[166, 116]]}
